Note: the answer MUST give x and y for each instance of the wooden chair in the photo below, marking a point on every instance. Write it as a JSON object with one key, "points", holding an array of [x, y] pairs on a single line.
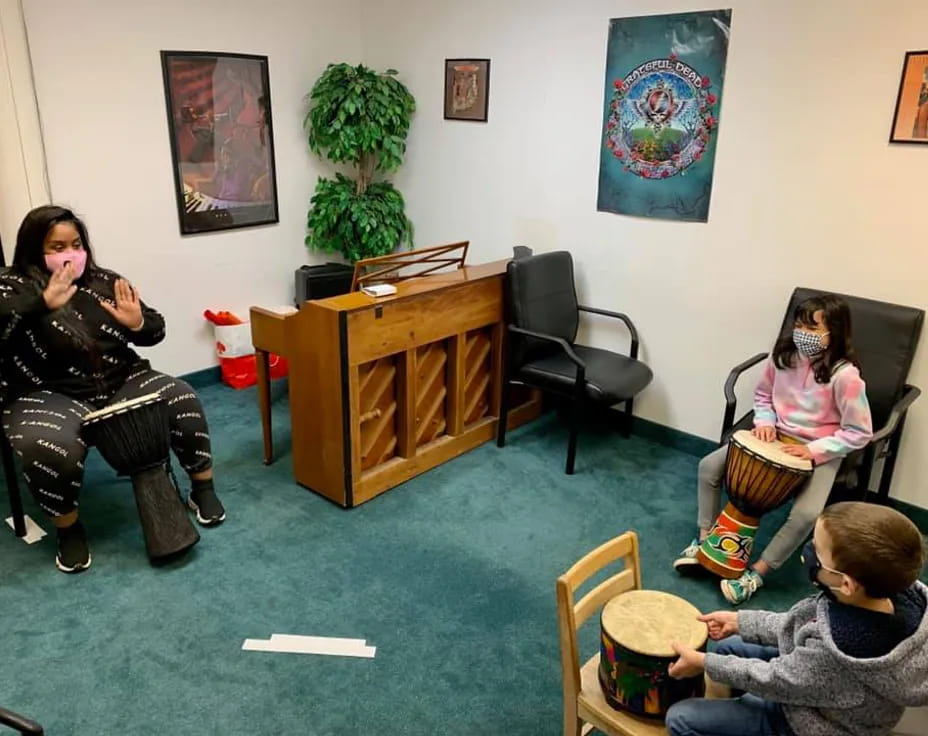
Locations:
{"points": [[585, 707]]}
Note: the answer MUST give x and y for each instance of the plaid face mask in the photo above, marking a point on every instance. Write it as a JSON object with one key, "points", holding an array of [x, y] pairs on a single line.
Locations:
{"points": [[808, 343]]}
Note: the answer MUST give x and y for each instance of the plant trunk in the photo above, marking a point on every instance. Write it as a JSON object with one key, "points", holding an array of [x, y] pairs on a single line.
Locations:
{"points": [[365, 172]]}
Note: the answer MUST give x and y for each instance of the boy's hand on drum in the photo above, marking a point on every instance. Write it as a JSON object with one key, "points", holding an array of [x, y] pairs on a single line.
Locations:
{"points": [[798, 451], [721, 624], [765, 433], [690, 664], [60, 289], [128, 309]]}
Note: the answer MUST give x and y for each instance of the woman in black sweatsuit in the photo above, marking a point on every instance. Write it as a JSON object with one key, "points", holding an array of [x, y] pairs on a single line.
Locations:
{"points": [[66, 326]]}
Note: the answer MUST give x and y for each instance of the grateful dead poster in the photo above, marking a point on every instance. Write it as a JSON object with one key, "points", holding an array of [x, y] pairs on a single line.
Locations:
{"points": [[664, 78]]}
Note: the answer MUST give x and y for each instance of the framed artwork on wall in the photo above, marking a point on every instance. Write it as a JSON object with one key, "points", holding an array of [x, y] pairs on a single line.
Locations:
{"points": [[910, 120], [467, 89], [222, 140]]}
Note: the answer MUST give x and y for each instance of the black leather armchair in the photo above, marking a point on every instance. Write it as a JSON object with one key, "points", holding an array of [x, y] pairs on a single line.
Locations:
{"points": [[885, 336], [542, 353]]}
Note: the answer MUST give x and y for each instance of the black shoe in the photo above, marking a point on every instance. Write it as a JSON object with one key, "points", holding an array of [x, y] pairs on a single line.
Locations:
{"points": [[206, 504], [73, 552]]}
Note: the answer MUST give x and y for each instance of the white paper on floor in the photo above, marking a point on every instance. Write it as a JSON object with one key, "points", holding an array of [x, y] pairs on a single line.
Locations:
{"points": [[33, 531], [295, 644]]}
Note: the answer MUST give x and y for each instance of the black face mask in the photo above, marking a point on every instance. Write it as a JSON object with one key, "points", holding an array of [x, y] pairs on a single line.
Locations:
{"points": [[812, 564]]}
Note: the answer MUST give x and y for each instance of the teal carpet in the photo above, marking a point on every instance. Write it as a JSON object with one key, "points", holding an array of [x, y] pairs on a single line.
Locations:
{"points": [[450, 576]]}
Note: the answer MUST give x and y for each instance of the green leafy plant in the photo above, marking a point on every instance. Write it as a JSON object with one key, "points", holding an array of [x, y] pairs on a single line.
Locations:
{"points": [[359, 117]]}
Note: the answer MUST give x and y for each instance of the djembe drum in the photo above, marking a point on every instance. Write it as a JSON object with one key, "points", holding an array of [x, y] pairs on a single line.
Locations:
{"points": [[133, 437], [759, 477], [636, 630]]}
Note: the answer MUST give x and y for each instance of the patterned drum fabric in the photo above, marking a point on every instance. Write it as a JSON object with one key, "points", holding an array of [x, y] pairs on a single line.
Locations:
{"points": [[636, 629]]}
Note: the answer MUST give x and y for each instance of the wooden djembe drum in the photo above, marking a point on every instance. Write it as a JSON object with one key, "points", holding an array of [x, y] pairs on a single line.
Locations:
{"points": [[759, 477]]}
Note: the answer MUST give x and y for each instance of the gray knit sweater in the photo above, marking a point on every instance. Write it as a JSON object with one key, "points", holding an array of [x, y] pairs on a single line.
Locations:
{"points": [[825, 692]]}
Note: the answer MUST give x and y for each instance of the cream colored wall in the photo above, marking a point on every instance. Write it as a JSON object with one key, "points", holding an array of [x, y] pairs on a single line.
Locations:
{"points": [[98, 76], [23, 181], [807, 189]]}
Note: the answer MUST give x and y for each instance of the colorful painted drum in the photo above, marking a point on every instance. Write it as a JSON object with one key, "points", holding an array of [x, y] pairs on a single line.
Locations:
{"points": [[759, 476], [636, 630]]}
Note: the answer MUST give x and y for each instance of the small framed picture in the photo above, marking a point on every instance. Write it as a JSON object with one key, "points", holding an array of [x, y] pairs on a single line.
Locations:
{"points": [[910, 121], [467, 89], [222, 140]]}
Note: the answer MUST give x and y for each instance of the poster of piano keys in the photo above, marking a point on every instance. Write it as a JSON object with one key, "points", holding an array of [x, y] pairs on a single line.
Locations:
{"points": [[664, 79], [222, 142]]}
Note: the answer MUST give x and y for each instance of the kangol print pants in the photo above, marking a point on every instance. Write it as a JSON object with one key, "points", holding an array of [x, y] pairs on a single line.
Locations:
{"points": [[44, 429]]}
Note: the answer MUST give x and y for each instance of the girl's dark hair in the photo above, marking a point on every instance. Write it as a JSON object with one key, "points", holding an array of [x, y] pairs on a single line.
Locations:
{"points": [[837, 318], [29, 261]]}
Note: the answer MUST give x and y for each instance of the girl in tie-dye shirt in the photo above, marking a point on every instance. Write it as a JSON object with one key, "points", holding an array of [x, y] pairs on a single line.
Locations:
{"points": [[810, 393]]}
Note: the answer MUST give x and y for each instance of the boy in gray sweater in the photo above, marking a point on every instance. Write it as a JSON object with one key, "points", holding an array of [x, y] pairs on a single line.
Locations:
{"points": [[847, 661]]}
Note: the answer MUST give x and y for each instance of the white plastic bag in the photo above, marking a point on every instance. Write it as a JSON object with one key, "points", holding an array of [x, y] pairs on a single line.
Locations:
{"points": [[233, 341]]}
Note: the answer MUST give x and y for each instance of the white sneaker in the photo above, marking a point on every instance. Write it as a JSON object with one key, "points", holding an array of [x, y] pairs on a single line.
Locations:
{"points": [[687, 559], [741, 589]]}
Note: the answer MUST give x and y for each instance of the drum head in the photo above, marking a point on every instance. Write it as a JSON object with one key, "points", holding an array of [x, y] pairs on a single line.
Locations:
{"points": [[646, 621], [772, 451], [122, 406]]}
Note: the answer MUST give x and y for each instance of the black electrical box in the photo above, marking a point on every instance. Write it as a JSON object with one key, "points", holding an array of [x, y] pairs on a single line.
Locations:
{"points": [[320, 282]]}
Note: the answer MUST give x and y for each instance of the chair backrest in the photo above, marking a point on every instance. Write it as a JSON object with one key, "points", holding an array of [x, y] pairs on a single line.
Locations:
{"points": [[571, 614], [885, 336], [3, 385], [542, 298], [521, 251]]}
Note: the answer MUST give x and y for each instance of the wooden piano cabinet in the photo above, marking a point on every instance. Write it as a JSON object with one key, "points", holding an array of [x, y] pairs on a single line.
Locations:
{"points": [[383, 390]]}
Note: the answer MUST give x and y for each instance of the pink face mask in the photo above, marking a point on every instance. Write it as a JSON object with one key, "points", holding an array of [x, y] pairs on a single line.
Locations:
{"points": [[78, 259]]}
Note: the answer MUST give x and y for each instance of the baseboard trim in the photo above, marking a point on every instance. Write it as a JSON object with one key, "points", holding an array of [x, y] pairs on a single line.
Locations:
{"points": [[203, 378], [691, 444], [700, 446], [917, 514]]}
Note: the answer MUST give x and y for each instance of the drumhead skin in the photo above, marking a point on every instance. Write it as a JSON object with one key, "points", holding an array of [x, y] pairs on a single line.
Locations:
{"points": [[646, 621], [772, 451], [126, 405]]}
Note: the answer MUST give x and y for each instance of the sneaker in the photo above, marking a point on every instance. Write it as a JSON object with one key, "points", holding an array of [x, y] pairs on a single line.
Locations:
{"points": [[739, 590], [73, 552], [687, 563], [206, 505]]}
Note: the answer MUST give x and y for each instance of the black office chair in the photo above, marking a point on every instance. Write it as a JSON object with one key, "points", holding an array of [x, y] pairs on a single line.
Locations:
{"points": [[544, 317], [6, 452], [20, 723], [885, 336]]}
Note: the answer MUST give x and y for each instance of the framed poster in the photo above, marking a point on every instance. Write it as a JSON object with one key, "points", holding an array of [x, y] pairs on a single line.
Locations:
{"points": [[910, 120], [467, 89], [222, 140], [660, 115]]}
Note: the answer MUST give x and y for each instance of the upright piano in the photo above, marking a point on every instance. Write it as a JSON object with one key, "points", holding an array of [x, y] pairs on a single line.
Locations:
{"points": [[382, 389]]}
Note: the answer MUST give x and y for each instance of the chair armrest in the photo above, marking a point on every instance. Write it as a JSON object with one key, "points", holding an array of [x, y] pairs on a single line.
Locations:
{"points": [[633, 352], [565, 346], [731, 401], [19, 723], [896, 413]]}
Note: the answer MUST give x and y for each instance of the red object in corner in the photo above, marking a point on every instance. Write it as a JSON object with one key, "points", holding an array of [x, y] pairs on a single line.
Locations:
{"points": [[243, 372]]}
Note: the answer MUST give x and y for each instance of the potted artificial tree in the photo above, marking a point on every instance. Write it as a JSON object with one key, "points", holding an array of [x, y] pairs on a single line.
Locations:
{"points": [[359, 117]]}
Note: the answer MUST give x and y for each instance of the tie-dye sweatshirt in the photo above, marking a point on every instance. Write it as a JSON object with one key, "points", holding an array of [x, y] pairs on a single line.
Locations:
{"points": [[833, 418]]}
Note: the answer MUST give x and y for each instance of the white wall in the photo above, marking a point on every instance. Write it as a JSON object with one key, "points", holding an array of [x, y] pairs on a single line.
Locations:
{"points": [[807, 190], [23, 182], [98, 75]]}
